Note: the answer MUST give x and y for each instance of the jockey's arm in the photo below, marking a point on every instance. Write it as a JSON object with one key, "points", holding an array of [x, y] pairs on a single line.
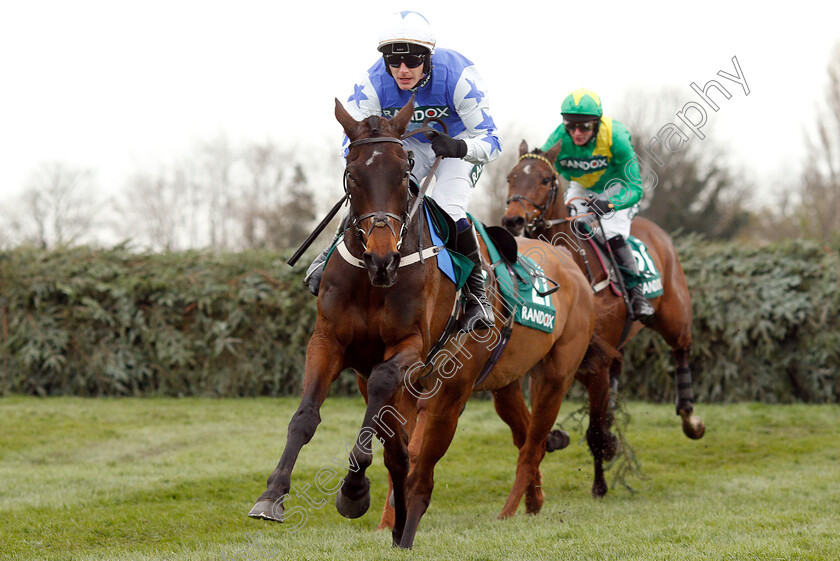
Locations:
{"points": [[473, 107], [624, 159]]}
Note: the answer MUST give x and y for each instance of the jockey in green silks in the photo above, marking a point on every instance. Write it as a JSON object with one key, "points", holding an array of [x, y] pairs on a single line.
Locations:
{"points": [[598, 159]]}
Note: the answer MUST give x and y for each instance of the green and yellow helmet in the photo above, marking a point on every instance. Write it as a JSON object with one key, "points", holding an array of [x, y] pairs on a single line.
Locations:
{"points": [[581, 105]]}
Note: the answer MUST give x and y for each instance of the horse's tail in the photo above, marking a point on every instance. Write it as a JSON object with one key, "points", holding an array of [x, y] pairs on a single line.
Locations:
{"points": [[599, 354], [600, 346]]}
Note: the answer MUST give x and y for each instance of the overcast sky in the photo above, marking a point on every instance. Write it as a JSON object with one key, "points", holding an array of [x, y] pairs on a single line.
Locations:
{"points": [[119, 86]]}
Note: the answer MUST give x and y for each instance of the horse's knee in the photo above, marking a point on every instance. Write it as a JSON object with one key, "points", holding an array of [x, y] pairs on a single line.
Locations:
{"points": [[383, 382], [303, 424]]}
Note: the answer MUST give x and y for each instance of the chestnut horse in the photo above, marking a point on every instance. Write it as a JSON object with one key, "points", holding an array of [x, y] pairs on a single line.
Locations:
{"points": [[536, 207], [382, 309]]}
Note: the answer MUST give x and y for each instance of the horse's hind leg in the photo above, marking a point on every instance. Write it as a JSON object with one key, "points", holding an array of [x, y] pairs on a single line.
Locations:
{"points": [[692, 425], [615, 377], [323, 365], [512, 409]]}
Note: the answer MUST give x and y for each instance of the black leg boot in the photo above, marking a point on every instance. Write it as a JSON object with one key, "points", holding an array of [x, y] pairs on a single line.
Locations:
{"points": [[478, 314], [316, 269], [641, 309]]}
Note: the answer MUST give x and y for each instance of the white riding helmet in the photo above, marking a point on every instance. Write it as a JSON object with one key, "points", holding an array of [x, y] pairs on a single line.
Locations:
{"points": [[407, 27]]}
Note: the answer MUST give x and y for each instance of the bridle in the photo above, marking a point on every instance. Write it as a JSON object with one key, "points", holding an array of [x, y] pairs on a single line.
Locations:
{"points": [[381, 218], [538, 221]]}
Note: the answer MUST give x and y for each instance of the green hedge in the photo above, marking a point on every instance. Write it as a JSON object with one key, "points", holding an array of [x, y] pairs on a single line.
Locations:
{"points": [[111, 322], [766, 326]]}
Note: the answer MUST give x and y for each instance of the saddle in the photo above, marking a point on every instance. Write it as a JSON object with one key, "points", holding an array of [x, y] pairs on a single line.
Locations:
{"points": [[619, 279]]}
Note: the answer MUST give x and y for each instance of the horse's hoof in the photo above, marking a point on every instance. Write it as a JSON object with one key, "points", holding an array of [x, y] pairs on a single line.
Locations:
{"points": [[353, 508], [267, 509], [556, 440], [599, 490], [534, 504], [693, 427]]}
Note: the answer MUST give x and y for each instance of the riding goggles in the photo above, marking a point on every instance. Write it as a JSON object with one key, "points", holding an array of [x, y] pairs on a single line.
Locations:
{"points": [[411, 61], [585, 126]]}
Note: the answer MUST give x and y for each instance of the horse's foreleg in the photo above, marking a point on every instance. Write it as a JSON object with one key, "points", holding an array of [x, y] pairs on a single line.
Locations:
{"points": [[353, 500], [547, 395], [602, 443], [511, 408], [323, 365], [397, 463], [438, 428], [414, 411], [692, 425]]}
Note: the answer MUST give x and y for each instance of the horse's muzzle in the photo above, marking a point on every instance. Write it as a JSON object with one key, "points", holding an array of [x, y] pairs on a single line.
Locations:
{"points": [[382, 269], [514, 224]]}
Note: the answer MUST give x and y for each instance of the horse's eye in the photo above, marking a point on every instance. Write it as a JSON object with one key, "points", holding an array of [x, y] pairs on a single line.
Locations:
{"points": [[546, 180]]}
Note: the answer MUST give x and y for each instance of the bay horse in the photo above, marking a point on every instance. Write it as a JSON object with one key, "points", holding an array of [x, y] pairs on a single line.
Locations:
{"points": [[536, 208], [382, 308]]}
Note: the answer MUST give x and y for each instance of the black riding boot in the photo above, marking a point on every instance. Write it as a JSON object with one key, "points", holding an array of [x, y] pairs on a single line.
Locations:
{"points": [[478, 314], [641, 309], [316, 269]]}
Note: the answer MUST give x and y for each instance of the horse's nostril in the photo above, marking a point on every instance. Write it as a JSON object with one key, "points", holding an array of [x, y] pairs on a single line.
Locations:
{"points": [[382, 268], [513, 222], [395, 261]]}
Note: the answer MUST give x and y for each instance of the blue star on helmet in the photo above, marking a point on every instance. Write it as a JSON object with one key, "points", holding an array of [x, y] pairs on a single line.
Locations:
{"points": [[405, 13], [358, 94], [474, 92]]}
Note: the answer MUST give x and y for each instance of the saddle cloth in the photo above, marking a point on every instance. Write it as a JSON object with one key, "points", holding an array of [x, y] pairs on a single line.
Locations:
{"points": [[523, 286]]}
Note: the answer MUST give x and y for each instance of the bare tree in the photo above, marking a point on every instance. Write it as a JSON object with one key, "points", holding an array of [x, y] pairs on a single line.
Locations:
{"points": [[221, 197], [261, 192], [58, 206], [693, 188], [819, 213], [158, 209]]}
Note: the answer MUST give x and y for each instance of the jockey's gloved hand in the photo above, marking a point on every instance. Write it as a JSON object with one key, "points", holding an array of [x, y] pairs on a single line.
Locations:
{"points": [[600, 206], [447, 147]]}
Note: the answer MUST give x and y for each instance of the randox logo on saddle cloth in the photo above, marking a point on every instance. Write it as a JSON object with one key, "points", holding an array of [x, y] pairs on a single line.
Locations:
{"points": [[521, 290], [649, 276]]}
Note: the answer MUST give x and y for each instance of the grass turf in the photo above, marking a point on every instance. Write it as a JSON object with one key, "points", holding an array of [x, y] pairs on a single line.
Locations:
{"points": [[173, 479]]}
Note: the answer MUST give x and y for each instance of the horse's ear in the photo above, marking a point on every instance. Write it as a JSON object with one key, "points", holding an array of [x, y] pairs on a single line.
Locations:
{"points": [[401, 119], [523, 148], [348, 122], [551, 155]]}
